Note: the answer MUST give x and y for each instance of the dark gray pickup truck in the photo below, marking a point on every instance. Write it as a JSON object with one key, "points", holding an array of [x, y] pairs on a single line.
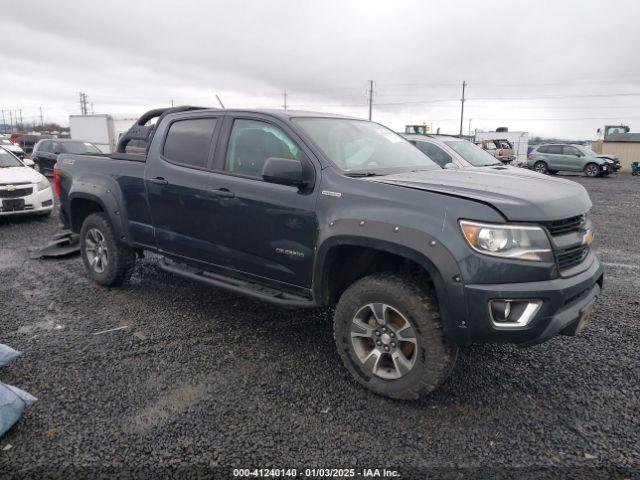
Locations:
{"points": [[304, 210]]}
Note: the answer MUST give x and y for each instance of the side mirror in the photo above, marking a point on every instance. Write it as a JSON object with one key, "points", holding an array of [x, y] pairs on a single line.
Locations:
{"points": [[28, 162], [287, 171]]}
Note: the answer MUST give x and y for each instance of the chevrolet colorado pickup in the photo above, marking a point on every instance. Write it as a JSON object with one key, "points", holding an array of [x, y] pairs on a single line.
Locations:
{"points": [[305, 210]]}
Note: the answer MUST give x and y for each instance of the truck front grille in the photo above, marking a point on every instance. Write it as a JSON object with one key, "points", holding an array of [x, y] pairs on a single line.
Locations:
{"points": [[570, 257], [17, 193], [566, 225]]}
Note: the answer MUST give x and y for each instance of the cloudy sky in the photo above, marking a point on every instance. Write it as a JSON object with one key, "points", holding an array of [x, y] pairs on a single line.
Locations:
{"points": [[555, 68]]}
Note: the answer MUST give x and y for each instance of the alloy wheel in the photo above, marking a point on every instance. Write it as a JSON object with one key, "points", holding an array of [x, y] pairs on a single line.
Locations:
{"points": [[540, 167], [96, 250], [384, 341], [592, 170]]}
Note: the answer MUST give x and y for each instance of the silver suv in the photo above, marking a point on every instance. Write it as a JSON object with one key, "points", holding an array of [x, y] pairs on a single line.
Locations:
{"points": [[444, 149]]}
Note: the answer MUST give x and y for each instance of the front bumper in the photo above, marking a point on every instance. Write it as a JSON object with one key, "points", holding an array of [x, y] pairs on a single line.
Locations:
{"points": [[564, 300], [37, 202]]}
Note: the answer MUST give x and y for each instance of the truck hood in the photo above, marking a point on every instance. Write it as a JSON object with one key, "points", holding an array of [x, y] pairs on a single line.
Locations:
{"points": [[16, 175], [518, 195]]}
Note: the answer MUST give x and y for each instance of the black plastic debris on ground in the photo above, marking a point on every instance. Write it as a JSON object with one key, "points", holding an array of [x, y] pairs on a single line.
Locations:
{"points": [[63, 244]]}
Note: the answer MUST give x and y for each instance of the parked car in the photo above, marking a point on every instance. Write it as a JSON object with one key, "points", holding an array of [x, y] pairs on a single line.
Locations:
{"points": [[22, 190], [555, 157], [500, 149], [453, 151], [46, 152], [304, 210], [12, 147]]}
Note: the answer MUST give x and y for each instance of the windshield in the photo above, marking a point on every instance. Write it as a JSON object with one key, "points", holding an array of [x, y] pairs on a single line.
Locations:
{"points": [[358, 146], [80, 147], [8, 160], [587, 151], [473, 154]]}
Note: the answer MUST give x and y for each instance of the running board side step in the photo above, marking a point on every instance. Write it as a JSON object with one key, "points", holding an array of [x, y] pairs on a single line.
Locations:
{"points": [[254, 290]]}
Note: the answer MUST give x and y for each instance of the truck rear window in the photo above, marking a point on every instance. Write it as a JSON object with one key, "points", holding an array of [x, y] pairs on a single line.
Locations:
{"points": [[188, 141]]}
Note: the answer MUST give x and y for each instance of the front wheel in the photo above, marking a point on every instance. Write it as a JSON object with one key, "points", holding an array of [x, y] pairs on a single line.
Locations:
{"points": [[591, 170], [108, 262], [540, 167], [389, 336]]}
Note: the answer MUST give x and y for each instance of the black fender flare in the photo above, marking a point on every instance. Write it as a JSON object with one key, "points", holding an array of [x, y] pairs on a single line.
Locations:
{"points": [[414, 245], [103, 196]]}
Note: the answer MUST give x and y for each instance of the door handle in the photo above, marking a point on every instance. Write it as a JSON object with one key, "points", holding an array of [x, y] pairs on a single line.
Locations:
{"points": [[159, 181], [223, 193]]}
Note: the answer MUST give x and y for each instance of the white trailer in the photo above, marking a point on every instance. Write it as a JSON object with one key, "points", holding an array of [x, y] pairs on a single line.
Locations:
{"points": [[100, 129], [519, 140]]}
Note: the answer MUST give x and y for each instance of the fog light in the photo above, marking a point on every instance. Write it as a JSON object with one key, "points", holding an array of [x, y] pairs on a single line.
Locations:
{"points": [[508, 313]]}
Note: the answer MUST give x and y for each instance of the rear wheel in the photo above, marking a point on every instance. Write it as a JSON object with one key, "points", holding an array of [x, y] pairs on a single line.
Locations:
{"points": [[108, 262], [540, 167], [389, 336], [591, 170]]}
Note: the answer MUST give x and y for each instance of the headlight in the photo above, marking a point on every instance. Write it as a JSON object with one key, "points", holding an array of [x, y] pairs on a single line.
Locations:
{"points": [[508, 241], [43, 184]]}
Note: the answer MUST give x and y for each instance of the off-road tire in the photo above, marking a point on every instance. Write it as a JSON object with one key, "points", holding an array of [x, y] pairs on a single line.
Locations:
{"points": [[121, 259], [541, 167], [436, 356], [590, 171]]}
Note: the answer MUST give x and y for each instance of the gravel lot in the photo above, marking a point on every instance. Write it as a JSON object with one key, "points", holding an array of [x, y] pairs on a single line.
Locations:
{"points": [[202, 378]]}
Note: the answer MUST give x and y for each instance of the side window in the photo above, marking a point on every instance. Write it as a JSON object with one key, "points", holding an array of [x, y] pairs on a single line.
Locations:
{"points": [[543, 149], [434, 153], [188, 141], [56, 147], [568, 150], [250, 144], [555, 149], [45, 147]]}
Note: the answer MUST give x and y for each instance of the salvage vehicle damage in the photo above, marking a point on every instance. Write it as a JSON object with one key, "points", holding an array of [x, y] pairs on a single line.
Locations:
{"points": [[304, 210]]}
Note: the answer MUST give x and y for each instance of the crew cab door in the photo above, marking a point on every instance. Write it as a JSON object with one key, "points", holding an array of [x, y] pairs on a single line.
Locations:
{"points": [[178, 185], [268, 230]]}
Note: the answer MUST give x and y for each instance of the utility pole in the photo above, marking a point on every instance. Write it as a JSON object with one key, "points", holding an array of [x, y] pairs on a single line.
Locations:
{"points": [[4, 124], [83, 103], [21, 122], [285, 100], [464, 84], [370, 97], [172, 103], [41, 119], [10, 120]]}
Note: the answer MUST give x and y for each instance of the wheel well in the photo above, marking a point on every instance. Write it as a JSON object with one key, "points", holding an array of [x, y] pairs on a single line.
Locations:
{"points": [[81, 208], [347, 264]]}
